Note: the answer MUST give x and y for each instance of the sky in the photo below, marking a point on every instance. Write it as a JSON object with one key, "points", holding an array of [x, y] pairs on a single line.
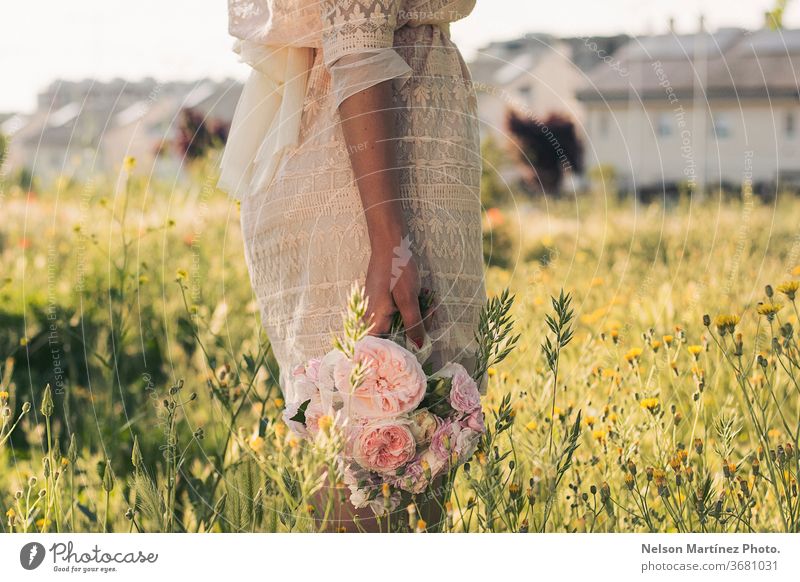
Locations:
{"points": [[44, 40]]}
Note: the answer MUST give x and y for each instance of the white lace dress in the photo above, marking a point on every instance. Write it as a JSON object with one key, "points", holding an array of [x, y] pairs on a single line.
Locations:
{"points": [[305, 234]]}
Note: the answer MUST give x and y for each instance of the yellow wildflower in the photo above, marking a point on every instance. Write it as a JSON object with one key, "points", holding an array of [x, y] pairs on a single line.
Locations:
{"points": [[650, 404], [789, 288], [629, 481], [279, 402], [633, 355], [769, 310], [726, 323], [668, 339], [129, 163], [532, 426], [257, 444], [695, 350], [280, 430], [324, 423]]}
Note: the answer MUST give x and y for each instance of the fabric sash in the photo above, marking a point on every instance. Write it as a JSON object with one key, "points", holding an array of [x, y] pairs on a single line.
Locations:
{"points": [[266, 122]]}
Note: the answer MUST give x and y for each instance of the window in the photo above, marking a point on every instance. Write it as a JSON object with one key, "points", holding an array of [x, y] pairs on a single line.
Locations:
{"points": [[721, 125], [790, 125], [664, 125]]}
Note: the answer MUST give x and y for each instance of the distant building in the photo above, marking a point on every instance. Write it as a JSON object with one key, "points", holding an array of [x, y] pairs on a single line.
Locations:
{"points": [[86, 127], [702, 110], [538, 75]]}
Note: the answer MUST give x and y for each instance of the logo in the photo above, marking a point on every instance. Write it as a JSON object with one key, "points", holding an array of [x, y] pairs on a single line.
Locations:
{"points": [[31, 555]]}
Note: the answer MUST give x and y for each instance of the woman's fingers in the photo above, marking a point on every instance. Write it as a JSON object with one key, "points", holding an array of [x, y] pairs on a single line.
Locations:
{"points": [[381, 323], [412, 321], [427, 317]]}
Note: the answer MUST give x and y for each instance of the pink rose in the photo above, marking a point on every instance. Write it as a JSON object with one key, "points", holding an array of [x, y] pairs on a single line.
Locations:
{"points": [[420, 472], [464, 395], [466, 441], [325, 379], [413, 479], [443, 441], [474, 420], [313, 412], [435, 464], [303, 382], [383, 446], [311, 369], [393, 383]]}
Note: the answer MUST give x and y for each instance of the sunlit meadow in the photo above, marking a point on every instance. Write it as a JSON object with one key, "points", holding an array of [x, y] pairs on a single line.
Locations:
{"points": [[655, 385]]}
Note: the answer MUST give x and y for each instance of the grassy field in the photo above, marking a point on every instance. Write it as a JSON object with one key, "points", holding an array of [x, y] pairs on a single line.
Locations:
{"points": [[131, 300]]}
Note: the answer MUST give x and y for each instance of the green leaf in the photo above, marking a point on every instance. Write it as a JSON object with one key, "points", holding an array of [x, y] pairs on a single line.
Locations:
{"points": [[300, 415]]}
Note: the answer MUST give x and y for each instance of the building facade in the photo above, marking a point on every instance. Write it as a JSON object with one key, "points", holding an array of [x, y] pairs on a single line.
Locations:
{"points": [[699, 111]]}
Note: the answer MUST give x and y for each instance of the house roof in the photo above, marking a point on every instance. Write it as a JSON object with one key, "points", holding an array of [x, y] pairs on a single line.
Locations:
{"points": [[730, 63], [82, 113], [502, 62]]}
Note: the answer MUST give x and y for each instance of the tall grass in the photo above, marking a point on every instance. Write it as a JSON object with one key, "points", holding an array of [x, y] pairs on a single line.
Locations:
{"points": [[652, 385]]}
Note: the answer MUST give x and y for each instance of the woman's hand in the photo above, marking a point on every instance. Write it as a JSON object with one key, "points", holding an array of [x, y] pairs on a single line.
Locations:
{"points": [[392, 282], [389, 292]]}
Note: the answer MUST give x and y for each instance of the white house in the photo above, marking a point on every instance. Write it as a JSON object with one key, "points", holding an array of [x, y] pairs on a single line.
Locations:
{"points": [[701, 110], [536, 75], [81, 128]]}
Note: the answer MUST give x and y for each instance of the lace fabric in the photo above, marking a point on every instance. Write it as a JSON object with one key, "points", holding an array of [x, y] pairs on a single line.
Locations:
{"points": [[305, 235], [355, 72]]}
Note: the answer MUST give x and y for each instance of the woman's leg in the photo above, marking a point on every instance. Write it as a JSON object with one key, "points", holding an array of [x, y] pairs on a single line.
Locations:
{"points": [[344, 517]]}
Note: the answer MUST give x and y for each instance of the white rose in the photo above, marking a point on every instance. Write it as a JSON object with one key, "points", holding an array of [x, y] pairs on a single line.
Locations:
{"points": [[423, 425]]}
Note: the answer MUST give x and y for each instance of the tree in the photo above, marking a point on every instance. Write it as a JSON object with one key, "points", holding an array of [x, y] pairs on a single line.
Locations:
{"points": [[775, 16], [549, 146], [3, 149], [197, 134], [494, 192]]}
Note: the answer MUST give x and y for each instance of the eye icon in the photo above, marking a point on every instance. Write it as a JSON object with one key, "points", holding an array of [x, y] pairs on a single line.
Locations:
{"points": [[31, 555]]}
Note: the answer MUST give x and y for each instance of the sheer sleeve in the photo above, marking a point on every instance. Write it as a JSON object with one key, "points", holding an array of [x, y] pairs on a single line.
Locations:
{"points": [[357, 45]]}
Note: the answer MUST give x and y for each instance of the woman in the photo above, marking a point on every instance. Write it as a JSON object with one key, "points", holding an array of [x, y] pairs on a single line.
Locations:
{"points": [[355, 153]]}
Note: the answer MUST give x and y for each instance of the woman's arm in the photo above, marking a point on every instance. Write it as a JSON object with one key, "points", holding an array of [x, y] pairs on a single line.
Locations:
{"points": [[368, 126]]}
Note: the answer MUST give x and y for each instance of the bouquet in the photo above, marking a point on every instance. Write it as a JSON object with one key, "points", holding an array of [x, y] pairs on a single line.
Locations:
{"points": [[402, 426]]}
